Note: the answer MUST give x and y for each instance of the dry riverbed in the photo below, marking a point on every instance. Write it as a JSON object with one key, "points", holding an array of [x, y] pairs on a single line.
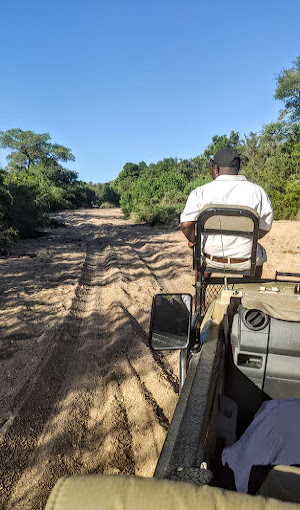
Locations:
{"points": [[80, 390]]}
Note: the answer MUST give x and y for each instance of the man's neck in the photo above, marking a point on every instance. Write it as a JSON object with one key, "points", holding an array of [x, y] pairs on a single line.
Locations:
{"points": [[228, 170]]}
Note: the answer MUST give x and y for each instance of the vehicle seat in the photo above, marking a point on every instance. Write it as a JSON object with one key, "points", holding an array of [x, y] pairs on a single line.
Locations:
{"points": [[120, 492], [282, 482], [226, 220]]}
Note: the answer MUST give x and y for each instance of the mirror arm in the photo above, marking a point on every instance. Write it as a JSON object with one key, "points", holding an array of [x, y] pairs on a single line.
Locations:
{"points": [[183, 364]]}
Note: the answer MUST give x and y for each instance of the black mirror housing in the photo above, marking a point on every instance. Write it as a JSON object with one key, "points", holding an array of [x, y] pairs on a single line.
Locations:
{"points": [[170, 321]]}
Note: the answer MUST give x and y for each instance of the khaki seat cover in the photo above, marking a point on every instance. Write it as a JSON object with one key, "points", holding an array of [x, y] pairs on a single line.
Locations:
{"points": [[281, 306], [216, 221], [120, 492], [282, 482], [234, 223]]}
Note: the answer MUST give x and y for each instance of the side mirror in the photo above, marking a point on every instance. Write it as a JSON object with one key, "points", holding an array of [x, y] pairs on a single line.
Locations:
{"points": [[170, 321]]}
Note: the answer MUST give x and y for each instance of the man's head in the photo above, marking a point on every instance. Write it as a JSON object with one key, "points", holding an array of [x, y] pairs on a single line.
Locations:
{"points": [[225, 161]]}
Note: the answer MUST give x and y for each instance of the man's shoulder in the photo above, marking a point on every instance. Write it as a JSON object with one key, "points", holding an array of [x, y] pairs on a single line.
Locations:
{"points": [[253, 185], [204, 187], [258, 188]]}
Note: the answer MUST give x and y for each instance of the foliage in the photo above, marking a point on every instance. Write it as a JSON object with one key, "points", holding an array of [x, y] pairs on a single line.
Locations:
{"points": [[5, 196], [218, 142], [7, 237], [106, 205], [26, 212], [106, 194], [128, 175], [158, 194], [270, 158], [288, 90], [80, 195], [35, 184], [7, 233], [29, 148]]}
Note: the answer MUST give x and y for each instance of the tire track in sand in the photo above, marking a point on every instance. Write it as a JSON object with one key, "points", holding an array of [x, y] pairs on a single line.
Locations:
{"points": [[102, 401], [31, 413], [162, 287]]}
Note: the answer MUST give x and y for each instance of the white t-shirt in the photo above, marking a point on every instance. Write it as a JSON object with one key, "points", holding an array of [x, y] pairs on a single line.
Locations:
{"points": [[230, 190]]}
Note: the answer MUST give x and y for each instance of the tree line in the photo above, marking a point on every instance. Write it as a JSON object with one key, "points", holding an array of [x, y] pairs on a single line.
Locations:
{"points": [[35, 182], [271, 158]]}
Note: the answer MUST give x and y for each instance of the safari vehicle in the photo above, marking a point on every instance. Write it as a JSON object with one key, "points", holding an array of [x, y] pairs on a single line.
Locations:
{"points": [[237, 350]]}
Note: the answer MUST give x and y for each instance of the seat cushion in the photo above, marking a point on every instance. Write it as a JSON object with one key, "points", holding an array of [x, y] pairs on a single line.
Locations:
{"points": [[105, 492]]}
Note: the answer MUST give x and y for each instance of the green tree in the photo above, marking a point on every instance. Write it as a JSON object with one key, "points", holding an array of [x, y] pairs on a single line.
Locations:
{"points": [[250, 147], [80, 194], [58, 175], [29, 148], [218, 142], [7, 233], [288, 90], [106, 194], [26, 212], [130, 172]]}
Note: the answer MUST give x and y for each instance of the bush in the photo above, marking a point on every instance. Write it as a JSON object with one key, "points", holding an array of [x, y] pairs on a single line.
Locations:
{"points": [[107, 205], [156, 195], [287, 205], [26, 212], [80, 194], [105, 193], [8, 236]]}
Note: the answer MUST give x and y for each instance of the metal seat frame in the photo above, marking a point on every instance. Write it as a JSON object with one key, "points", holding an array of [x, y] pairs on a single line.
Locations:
{"points": [[209, 222]]}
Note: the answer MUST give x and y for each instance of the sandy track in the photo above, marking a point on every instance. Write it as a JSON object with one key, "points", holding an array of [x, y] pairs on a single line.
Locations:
{"points": [[80, 391]]}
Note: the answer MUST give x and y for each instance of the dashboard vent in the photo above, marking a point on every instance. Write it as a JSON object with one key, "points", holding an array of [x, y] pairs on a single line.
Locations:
{"points": [[255, 319]]}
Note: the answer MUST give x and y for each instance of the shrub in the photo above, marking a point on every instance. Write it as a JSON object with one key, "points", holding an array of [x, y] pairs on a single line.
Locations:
{"points": [[8, 236], [107, 205], [26, 212]]}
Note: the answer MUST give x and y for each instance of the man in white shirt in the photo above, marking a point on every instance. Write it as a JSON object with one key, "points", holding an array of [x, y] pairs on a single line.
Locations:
{"points": [[228, 188]]}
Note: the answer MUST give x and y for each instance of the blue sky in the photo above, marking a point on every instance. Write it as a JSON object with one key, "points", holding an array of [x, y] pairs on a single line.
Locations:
{"points": [[125, 81]]}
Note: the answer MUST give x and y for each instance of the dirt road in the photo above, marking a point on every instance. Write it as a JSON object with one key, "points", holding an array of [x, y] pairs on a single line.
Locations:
{"points": [[80, 391]]}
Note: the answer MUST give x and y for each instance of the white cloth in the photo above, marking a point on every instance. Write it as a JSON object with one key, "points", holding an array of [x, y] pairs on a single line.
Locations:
{"points": [[230, 190]]}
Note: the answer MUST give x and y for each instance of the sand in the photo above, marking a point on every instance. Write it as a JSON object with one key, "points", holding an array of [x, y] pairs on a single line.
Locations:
{"points": [[80, 390]]}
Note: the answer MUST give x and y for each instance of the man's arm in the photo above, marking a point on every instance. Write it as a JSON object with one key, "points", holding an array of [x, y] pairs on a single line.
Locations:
{"points": [[188, 228]]}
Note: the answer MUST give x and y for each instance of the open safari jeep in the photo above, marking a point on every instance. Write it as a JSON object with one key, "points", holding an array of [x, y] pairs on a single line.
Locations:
{"points": [[237, 350]]}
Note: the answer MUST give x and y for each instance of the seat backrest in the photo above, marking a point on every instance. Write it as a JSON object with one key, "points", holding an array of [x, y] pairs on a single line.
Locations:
{"points": [[226, 220]]}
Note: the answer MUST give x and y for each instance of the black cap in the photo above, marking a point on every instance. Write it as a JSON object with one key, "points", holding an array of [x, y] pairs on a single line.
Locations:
{"points": [[225, 157]]}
